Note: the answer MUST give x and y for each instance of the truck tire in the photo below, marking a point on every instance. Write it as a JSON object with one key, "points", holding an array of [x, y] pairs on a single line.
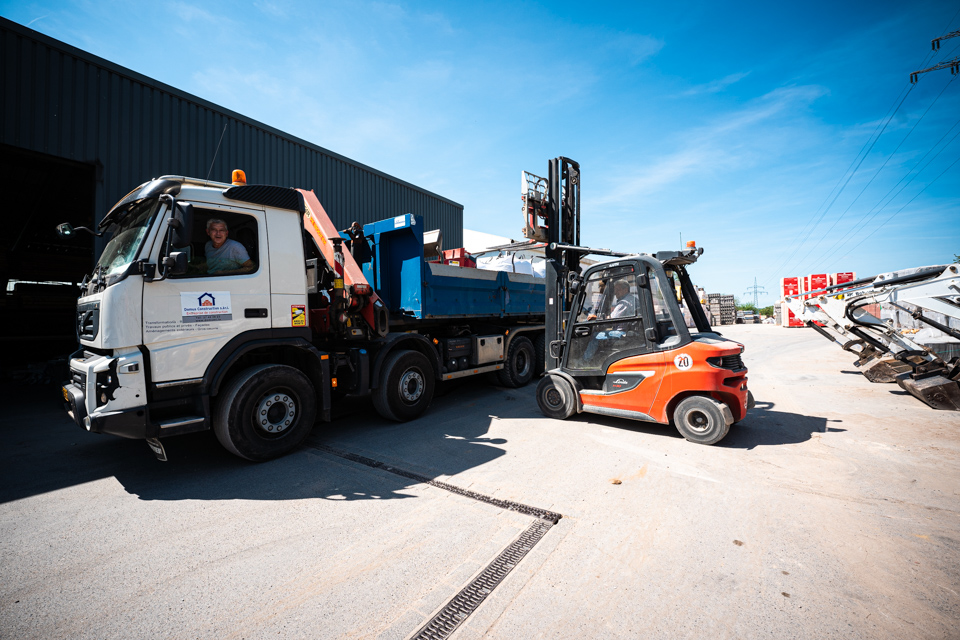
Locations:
{"points": [[556, 397], [406, 386], [265, 412], [519, 365], [539, 355], [700, 419]]}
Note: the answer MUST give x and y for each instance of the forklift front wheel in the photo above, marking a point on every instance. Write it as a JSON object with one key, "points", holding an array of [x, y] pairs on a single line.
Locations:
{"points": [[700, 419], [556, 397]]}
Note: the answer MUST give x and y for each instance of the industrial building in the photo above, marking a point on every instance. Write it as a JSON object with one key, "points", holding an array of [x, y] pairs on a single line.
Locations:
{"points": [[78, 132]]}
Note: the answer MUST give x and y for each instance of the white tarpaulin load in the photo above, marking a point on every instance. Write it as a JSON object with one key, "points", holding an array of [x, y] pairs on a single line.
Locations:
{"points": [[513, 264]]}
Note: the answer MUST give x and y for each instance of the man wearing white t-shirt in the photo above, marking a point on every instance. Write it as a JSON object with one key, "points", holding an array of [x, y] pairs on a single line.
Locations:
{"points": [[225, 256]]}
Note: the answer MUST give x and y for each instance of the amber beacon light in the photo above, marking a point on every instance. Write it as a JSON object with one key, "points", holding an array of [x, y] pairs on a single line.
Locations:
{"points": [[239, 177]]}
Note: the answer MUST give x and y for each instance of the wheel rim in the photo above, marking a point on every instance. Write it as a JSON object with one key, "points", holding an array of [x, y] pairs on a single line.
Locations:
{"points": [[411, 386], [553, 397], [697, 421], [522, 363], [275, 412]]}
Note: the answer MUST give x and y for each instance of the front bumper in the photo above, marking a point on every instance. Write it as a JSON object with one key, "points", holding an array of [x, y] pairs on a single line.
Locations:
{"points": [[126, 423], [104, 394]]}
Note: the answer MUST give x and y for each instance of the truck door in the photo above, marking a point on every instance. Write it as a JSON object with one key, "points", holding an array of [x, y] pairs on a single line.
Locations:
{"points": [[226, 292]]}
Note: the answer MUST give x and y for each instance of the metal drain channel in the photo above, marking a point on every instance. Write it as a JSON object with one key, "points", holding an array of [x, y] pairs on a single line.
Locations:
{"points": [[466, 602], [459, 608], [535, 512]]}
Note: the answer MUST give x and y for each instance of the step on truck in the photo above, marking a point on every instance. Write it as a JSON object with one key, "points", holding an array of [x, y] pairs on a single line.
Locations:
{"points": [[243, 309]]}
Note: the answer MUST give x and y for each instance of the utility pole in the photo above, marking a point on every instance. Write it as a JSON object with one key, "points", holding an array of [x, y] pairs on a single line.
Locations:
{"points": [[953, 65], [755, 289]]}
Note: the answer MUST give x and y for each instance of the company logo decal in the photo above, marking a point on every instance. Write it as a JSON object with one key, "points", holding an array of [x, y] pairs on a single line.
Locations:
{"points": [[207, 306], [683, 362]]}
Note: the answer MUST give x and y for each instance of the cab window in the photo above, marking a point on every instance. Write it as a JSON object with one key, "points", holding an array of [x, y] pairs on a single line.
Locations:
{"points": [[611, 293], [659, 290], [224, 244]]}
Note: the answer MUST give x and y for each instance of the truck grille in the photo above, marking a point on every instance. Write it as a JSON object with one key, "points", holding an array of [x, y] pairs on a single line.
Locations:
{"points": [[80, 379], [88, 320], [733, 363]]}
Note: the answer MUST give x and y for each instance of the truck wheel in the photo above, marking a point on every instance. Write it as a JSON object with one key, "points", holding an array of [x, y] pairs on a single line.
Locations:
{"points": [[519, 365], [406, 386], [265, 412], [700, 419], [556, 397], [539, 354]]}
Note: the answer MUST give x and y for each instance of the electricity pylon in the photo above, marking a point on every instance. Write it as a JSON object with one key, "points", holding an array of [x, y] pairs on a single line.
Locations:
{"points": [[755, 289]]}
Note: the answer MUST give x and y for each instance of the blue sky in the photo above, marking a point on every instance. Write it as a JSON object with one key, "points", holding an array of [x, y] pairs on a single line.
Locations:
{"points": [[732, 124]]}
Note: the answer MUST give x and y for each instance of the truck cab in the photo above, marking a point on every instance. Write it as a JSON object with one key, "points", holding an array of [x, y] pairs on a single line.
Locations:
{"points": [[158, 326]]}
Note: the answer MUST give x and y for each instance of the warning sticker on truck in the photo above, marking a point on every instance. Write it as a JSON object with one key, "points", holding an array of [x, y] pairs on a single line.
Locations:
{"points": [[298, 315], [205, 306]]}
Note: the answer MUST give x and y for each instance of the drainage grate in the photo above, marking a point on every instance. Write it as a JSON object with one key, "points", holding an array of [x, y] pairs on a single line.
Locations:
{"points": [[470, 597], [535, 512], [466, 602]]}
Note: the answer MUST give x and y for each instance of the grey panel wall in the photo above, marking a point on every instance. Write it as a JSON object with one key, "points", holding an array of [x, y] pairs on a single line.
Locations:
{"points": [[65, 102]]}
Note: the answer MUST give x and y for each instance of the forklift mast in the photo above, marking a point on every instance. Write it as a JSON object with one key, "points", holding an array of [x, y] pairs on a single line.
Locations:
{"points": [[551, 208]]}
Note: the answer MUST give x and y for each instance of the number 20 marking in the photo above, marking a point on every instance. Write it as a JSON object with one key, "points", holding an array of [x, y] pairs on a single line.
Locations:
{"points": [[683, 362]]}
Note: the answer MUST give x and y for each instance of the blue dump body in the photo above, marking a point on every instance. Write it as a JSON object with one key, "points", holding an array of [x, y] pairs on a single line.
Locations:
{"points": [[413, 288]]}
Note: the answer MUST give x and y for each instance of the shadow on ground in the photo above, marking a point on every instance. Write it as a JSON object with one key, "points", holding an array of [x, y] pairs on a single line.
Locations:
{"points": [[45, 451], [763, 426]]}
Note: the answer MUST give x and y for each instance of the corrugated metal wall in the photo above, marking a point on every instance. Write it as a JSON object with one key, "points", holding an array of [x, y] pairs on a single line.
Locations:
{"points": [[65, 102]]}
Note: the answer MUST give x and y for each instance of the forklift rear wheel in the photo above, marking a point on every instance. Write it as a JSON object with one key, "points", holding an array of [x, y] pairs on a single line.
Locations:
{"points": [[265, 412], [700, 419], [556, 397], [520, 363], [406, 386]]}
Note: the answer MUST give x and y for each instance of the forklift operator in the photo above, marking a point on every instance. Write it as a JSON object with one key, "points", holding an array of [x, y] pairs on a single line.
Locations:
{"points": [[225, 256], [624, 306], [625, 303]]}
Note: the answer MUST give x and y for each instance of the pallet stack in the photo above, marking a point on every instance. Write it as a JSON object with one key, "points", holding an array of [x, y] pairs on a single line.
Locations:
{"points": [[723, 308]]}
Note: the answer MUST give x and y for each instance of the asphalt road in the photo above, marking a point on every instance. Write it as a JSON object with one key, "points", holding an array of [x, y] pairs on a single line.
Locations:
{"points": [[831, 511]]}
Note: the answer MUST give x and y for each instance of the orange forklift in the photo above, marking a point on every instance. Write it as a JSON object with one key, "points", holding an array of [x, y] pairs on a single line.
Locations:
{"points": [[617, 343]]}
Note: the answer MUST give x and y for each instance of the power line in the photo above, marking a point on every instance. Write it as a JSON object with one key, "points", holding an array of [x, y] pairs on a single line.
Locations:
{"points": [[876, 173], [880, 210], [882, 224], [876, 209], [801, 238], [872, 141]]}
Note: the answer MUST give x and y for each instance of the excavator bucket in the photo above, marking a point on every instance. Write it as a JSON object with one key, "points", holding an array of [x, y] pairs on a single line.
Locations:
{"points": [[936, 391], [883, 370]]}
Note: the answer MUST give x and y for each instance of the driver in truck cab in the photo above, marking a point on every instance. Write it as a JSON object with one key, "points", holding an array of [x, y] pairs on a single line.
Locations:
{"points": [[225, 256]]}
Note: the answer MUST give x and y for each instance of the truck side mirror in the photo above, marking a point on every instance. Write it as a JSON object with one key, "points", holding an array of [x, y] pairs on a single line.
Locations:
{"points": [[67, 230], [181, 227], [175, 264]]}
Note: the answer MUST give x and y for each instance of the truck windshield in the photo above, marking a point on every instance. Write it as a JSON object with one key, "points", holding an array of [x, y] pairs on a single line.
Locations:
{"points": [[131, 228]]}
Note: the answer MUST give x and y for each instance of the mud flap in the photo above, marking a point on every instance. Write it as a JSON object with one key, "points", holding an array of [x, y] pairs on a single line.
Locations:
{"points": [[936, 391], [157, 449]]}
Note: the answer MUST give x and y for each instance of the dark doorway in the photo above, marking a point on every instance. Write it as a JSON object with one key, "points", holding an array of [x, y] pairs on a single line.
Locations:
{"points": [[37, 267]]}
